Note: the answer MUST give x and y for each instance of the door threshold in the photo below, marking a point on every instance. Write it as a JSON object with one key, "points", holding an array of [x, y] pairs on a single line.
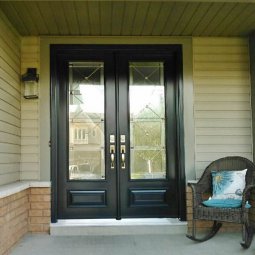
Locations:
{"points": [[82, 227], [122, 222]]}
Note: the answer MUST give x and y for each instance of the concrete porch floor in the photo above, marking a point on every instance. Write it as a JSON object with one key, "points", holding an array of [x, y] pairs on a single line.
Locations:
{"points": [[41, 244]]}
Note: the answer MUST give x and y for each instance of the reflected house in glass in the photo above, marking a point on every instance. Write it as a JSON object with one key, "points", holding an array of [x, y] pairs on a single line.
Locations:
{"points": [[86, 121]]}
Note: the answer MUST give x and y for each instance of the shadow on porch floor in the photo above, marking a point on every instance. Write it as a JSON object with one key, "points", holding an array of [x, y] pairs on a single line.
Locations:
{"points": [[222, 243]]}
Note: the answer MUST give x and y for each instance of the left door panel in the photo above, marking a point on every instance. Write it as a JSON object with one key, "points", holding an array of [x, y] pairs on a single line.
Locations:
{"points": [[86, 171]]}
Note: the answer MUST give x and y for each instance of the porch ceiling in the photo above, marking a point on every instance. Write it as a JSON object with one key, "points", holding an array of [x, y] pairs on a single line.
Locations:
{"points": [[132, 18]]}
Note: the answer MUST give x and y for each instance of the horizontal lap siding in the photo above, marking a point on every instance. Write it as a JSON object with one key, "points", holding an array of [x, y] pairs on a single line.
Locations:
{"points": [[10, 130], [222, 105], [30, 115]]}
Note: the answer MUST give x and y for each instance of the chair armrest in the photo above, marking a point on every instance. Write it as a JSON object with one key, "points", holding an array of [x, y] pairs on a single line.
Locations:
{"points": [[247, 194], [198, 192]]}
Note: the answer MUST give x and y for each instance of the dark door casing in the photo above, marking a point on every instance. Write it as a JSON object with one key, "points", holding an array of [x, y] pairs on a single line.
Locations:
{"points": [[117, 196]]}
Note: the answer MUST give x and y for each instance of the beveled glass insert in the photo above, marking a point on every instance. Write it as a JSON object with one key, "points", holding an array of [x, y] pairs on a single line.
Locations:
{"points": [[147, 120], [86, 121]]}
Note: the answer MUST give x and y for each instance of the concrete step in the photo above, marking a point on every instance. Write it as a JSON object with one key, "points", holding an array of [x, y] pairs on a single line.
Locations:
{"points": [[102, 227]]}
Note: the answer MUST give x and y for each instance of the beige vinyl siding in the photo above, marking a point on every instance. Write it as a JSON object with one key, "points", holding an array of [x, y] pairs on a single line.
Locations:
{"points": [[9, 102], [222, 104], [30, 50]]}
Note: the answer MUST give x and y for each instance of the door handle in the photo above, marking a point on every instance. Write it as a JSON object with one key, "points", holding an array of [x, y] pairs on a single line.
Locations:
{"points": [[112, 152], [123, 156]]}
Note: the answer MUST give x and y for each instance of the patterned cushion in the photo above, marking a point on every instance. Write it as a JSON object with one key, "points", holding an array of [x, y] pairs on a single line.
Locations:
{"points": [[228, 184], [223, 203]]}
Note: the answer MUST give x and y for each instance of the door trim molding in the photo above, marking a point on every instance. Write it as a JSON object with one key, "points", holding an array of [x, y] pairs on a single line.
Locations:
{"points": [[180, 139]]}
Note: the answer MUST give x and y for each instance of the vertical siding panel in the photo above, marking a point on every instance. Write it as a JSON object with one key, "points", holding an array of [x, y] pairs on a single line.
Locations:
{"points": [[30, 51], [9, 102], [222, 104]]}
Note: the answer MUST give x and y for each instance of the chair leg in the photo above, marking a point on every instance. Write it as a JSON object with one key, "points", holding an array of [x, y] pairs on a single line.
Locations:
{"points": [[247, 235], [214, 229]]}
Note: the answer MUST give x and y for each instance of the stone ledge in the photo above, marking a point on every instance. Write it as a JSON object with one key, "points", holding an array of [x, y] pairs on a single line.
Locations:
{"points": [[12, 188]]}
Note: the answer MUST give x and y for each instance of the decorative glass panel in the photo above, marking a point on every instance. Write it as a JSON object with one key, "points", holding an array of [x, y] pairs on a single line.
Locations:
{"points": [[147, 120], [86, 121]]}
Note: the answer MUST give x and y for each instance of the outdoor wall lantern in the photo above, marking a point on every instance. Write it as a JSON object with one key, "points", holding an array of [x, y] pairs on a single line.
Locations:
{"points": [[30, 80]]}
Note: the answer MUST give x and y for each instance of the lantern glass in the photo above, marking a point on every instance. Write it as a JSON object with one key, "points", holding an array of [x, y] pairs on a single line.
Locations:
{"points": [[31, 89]]}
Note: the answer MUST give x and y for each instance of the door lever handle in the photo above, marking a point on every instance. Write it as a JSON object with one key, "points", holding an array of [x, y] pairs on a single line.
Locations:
{"points": [[123, 156], [123, 165], [112, 160], [112, 152]]}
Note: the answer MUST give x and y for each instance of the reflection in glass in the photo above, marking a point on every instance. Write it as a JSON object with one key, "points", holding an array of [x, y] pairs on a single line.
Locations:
{"points": [[147, 120], [86, 121]]}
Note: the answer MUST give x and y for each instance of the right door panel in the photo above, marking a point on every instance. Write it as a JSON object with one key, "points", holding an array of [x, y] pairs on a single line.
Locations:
{"points": [[147, 118]]}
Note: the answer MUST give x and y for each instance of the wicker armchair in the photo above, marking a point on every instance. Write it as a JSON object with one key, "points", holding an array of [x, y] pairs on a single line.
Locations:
{"points": [[219, 215]]}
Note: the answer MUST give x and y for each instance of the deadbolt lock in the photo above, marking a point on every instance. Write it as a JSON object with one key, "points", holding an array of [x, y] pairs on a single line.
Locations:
{"points": [[112, 149], [123, 149]]}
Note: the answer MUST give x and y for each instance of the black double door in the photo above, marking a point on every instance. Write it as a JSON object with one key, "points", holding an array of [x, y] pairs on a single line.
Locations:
{"points": [[114, 132]]}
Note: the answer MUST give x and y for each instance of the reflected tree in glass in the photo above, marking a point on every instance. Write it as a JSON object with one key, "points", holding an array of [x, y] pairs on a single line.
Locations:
{"points": [[147, 120]]}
